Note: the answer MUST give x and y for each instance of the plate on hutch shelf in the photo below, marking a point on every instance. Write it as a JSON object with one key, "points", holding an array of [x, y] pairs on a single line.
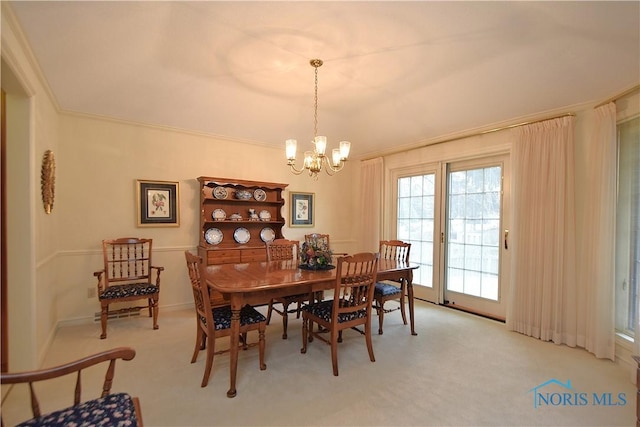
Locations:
{"points": [[260, 195], [241, 235], [264, 215], [243, 194], [267, 234], [213, 236], [220, 193], [218, 215]]}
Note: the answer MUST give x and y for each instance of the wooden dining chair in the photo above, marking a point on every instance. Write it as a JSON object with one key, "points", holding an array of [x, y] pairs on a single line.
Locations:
{"points": [[350, 307], [110, 409], [284, 250], [322, 238], [127, 275], [388, 290], [214, 321]]}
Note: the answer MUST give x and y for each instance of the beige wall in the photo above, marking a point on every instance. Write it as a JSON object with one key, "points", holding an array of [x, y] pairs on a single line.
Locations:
{"points": [[32, 128], [98, 165]]}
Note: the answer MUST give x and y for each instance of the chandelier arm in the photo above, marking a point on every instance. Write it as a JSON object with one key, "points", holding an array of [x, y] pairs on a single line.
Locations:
{"points": [[333, 169], [294, 170]]}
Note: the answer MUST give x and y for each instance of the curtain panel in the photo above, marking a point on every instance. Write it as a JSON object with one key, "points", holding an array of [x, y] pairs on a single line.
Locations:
{"points": [[543, 302], [597, 249], [372, 172]]}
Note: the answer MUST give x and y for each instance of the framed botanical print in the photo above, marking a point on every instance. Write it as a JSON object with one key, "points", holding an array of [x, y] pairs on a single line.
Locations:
{"points": [[158, 203], [302, 209]]}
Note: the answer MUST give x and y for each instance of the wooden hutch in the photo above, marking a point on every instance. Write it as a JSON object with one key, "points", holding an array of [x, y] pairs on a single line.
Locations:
{"points": [[237, 217]]}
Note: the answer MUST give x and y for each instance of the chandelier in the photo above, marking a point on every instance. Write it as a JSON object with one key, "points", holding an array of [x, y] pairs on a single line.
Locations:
{"points": [[316, 160]]}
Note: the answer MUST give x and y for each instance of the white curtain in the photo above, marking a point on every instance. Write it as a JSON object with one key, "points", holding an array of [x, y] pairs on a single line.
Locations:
{"points": [[371, 180], [543, 301], [597, 247]]}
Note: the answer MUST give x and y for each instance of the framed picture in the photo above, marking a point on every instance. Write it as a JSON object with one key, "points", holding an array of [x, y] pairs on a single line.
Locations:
{"points": [[158, 203], [302, 210]]}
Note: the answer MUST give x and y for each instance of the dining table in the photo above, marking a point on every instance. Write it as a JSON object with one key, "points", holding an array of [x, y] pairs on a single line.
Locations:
{"points": [[256, 283]]}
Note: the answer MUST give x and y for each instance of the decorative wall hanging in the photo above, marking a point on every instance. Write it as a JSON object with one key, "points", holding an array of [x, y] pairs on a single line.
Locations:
{"points": [[158, 203], [48, 180], [302, 210]]}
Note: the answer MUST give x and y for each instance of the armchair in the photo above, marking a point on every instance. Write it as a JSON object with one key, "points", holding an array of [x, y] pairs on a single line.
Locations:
{"points": [[127, 276]]}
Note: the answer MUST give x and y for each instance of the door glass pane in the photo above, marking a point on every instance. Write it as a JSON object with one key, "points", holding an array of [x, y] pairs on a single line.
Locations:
{"points": [[473, 232], [416, 198], [628, 227]]}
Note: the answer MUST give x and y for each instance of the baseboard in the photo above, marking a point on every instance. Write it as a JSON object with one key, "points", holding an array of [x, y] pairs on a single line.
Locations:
{"points": [[89, 319]]}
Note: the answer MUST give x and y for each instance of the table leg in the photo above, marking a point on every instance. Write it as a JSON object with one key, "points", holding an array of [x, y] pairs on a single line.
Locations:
{"points": [[410, 292], [234, 345]]}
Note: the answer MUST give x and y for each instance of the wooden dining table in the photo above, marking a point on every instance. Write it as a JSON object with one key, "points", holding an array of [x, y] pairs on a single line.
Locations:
{"points": [[257, 283]]}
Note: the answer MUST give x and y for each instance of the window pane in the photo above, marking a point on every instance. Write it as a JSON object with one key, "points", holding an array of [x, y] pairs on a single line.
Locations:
{"points": [[416, 222], [473, 231], [627, 227]]}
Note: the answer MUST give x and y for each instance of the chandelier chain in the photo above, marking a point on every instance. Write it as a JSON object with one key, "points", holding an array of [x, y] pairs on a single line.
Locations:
{"points": [[315, 104]]}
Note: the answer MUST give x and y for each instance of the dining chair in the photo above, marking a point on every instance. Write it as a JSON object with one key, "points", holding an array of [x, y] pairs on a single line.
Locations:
{"points": [[215, 321], [350, 307], [110, 409], [388, 290], [127, 275], [284, 250], [324, 239]]}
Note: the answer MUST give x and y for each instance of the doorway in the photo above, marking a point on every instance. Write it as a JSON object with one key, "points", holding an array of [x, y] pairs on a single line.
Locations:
{"points": [[454, 214]]}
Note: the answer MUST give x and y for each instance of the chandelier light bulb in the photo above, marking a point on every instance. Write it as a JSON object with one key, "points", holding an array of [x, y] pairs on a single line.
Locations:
{"points": [[321, 145], [345, 147], [291, 147]]}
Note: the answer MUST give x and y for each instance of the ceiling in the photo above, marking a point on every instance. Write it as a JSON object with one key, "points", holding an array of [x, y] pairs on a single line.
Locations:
{"points": [[395, 74]]}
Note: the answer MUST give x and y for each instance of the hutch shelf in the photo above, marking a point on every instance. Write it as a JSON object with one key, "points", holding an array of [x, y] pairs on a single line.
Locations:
{"points": [[237, 217]]}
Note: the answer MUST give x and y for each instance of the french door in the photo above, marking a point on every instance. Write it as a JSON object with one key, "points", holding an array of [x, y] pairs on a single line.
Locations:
{"points": [[454, 215]]}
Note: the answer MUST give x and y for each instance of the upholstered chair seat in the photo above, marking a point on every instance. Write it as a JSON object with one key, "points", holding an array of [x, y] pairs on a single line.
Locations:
{"points": [[113, 410], [129, 290]]}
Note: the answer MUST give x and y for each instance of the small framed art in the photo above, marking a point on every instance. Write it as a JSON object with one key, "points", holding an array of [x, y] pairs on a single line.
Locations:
{"points": [[158, 203], [302, 209]]}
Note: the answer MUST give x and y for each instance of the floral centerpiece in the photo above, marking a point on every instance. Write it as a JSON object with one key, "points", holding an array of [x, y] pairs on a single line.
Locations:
{"points": [[316, 255]]}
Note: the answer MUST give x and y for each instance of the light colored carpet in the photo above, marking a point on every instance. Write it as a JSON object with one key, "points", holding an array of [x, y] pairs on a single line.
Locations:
{"points": [[461, 370]]}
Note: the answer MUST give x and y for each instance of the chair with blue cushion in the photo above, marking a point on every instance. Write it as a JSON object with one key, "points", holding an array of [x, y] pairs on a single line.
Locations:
{"points": [[284, 250], [350, 307], [128, 275], [390, 290], [213, 319], [111, 409]]}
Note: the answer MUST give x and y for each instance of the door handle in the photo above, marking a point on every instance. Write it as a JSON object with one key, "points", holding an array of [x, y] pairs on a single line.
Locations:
{"points": [[506, 239]]}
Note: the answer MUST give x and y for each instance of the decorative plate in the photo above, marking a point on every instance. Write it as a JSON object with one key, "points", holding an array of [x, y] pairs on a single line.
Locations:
{"points": [[260, 195], [213, 236], [220, 193], [264, 215], [241, 235], [219, 215], [267, 235], [243, 194]]}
